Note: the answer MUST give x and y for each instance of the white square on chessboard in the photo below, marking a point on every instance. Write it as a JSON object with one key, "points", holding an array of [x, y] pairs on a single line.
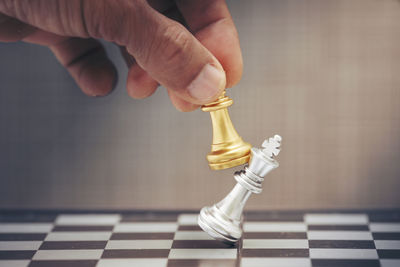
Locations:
{"points": [[274, 227], [387, 244], [390, 262], [275, 243], [192, 235], [14, 263], [132, 262], [139, 244], [25, 227], [188, 219], [68, 254], [336, 218], [78, 236], [188, 253], [88, 219], [384, 227], [339, 235], [146, 227], [20, 245], [275, 262], [343, 253]]}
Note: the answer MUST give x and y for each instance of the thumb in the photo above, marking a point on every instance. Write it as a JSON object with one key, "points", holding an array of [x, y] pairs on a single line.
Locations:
{"points": [[172, 56]]}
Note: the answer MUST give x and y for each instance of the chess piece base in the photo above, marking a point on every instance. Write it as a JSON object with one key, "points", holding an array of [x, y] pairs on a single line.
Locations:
{"points": [[219, 226], [220, 165]]}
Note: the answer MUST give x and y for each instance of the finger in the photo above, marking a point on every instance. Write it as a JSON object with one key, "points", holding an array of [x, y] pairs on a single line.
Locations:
{"points": [[12, 30], [87, 62], [129, 59], [44, 38], [212, 24], [173, 57], [163, 48], [85, 59], [139, 83], [181, 104]]}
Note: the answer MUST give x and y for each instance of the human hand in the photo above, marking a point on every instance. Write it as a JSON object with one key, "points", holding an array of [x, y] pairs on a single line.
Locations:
{"points": [[195, 63]]}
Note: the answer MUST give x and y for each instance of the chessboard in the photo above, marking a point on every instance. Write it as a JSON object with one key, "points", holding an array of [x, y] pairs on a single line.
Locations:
{"points": [[168, 238]]}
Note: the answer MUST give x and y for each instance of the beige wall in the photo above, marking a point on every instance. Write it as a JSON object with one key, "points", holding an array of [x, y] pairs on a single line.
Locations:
{"points": [[323, 74]]}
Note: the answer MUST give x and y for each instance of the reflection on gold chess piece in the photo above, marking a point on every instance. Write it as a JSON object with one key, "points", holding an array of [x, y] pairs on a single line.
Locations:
{"points": [[227, 149]]}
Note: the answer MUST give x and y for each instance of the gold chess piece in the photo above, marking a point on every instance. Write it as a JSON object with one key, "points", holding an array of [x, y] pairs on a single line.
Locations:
{"points": [[227, 149]]}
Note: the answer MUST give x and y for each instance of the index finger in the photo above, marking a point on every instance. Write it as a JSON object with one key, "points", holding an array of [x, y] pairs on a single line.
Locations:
{"points": [[211, 23]]}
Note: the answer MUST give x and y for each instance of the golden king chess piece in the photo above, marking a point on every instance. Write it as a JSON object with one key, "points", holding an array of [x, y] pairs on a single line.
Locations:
{"points": [[227, 149]]}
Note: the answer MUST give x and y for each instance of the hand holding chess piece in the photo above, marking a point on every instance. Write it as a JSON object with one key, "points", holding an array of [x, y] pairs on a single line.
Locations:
{"points": [[223, 221]]}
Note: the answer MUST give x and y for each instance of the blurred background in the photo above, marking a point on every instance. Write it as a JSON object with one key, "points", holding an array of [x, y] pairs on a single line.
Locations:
{"points": [[325, 75]]}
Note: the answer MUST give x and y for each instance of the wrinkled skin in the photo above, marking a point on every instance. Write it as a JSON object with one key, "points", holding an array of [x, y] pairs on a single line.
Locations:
{"points": [[163, 41]]}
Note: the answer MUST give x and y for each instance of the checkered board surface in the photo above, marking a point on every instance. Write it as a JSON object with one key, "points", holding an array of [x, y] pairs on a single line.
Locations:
{"points": [[173, 239]]}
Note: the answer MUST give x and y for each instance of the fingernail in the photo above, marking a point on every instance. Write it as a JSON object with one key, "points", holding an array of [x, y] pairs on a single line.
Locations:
{"points": [[208, 83]]}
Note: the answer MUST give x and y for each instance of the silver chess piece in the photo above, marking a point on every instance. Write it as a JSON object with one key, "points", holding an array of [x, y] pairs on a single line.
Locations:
{"points": [[223, 221]]}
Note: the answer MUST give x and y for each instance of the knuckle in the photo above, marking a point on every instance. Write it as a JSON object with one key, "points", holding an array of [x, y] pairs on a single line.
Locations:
{"points": [[114, 21], [175, 45], [96, 17], [62, 17], [70, 17]]}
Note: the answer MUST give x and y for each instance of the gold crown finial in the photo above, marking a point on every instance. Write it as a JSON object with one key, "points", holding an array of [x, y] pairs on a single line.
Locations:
{"points": [[228, 149]]}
